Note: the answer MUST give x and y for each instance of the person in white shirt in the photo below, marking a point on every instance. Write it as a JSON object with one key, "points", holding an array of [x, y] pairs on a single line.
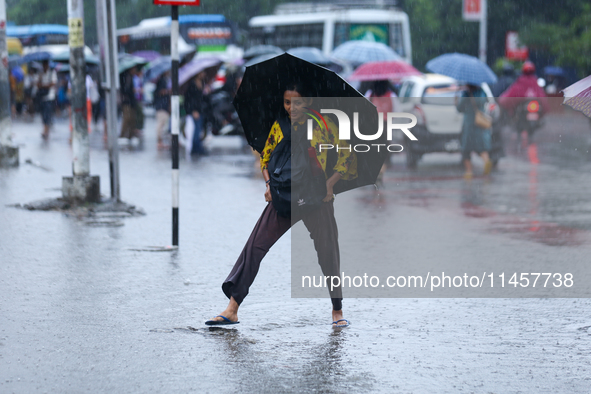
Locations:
{"points": [[46, 84]]}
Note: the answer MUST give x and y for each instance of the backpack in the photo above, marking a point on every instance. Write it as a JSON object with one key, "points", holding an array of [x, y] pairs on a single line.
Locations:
{"points": [[297, 182]]}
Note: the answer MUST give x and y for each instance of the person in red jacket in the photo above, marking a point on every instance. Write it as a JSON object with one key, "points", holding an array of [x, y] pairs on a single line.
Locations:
{"points": [[524, 88]]}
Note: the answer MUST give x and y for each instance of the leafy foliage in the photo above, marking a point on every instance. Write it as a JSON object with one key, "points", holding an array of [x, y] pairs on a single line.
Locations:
{"points": [[569, 43]]}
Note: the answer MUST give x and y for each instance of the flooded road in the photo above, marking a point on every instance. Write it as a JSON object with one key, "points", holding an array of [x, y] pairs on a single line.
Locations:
{"points": [[84, 309]]}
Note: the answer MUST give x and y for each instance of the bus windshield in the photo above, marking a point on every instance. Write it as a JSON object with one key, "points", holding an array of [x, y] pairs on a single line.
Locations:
{"points": [[326, 27]]}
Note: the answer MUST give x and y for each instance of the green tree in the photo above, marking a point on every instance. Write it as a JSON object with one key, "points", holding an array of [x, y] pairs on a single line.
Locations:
{"points": [[437, 27], [570, 43]]}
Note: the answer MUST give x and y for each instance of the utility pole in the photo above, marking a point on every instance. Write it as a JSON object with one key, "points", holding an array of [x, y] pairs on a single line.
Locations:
{"points": [[81, 186], [107, 35], [8, 153]]}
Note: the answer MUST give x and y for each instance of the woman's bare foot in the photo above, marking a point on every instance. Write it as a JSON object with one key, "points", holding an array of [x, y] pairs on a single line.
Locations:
{"points": [[231, 312], [336, 316]]}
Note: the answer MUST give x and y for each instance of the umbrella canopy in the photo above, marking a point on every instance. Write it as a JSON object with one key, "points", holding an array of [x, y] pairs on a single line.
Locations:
{"points": [[554, 70], [310, 54], [259, 102], [64, 57], [359, 52], [35, 57], [127, 61], [156, 68], [316, 56], [195, 66], [259, 50], [578, 96], [378, 71], [148, 55], [462, 67]]}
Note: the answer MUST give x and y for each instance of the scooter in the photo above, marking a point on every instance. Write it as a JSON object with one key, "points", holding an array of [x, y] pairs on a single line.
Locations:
{"points": [[528, 117]]}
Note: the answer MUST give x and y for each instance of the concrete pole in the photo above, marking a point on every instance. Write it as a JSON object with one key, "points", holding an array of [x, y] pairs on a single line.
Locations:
{"points": [[81, 186], [175, 121], [80, 146], [108, 43], [483, 27], [8, 153]]}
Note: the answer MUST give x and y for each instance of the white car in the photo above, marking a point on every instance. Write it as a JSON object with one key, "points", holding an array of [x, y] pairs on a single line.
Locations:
{"points": [[431, 98]]}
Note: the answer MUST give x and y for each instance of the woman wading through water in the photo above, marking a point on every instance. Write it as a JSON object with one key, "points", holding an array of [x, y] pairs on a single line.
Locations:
{"points": [[271, 225]]}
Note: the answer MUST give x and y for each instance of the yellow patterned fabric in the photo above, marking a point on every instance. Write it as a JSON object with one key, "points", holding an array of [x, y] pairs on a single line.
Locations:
{"points": [[346, 164]]}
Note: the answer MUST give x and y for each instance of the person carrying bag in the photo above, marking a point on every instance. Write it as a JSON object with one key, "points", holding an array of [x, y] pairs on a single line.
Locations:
{"points": [[476, 129]]}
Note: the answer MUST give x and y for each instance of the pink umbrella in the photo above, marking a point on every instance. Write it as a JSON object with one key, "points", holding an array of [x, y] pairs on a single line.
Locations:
{"points": [[578, 96], [392, 70]]}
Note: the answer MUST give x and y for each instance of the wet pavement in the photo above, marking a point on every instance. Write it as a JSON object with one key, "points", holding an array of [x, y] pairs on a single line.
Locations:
{"points": [[84, 309]]}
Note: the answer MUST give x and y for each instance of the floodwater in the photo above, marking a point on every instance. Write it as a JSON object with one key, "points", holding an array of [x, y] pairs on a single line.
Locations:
{"points": [[83, 308]]}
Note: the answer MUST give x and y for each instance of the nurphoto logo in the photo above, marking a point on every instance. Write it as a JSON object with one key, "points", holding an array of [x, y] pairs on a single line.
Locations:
{"points": [[345, 129]]}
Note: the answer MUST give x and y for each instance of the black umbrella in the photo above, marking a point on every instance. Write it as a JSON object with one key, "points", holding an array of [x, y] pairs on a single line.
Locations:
{"points": [[259, 102]]}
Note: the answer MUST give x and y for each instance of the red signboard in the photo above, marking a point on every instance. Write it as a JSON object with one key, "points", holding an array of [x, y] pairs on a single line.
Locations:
{"points": [[513, 48], [472, 10], [176, 2]]}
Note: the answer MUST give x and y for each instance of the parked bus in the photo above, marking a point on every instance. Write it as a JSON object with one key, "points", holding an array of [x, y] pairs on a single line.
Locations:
{"points": [[208, 34], [42, 38], [38, 35], [325, 26]]}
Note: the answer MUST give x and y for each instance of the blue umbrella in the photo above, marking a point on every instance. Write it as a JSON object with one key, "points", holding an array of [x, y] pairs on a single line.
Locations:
{"points": [[35, 57], [462, 67], [554, 70], [359, 52], [156, 68]]}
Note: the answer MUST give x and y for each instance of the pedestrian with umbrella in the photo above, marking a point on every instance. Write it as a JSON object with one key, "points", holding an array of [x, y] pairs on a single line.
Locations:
{"points": [[46, 89], [128, 104], [477, 125], [128, 69], [194, 78], [272, 102]]}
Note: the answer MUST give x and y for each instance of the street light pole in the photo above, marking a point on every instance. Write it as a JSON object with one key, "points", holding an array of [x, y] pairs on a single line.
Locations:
{"points": [[107, 34]]}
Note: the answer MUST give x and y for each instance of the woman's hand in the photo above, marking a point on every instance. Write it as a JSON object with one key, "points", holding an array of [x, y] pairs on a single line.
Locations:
{"points": [[268, 197], [329, 192], [330, 182]]}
